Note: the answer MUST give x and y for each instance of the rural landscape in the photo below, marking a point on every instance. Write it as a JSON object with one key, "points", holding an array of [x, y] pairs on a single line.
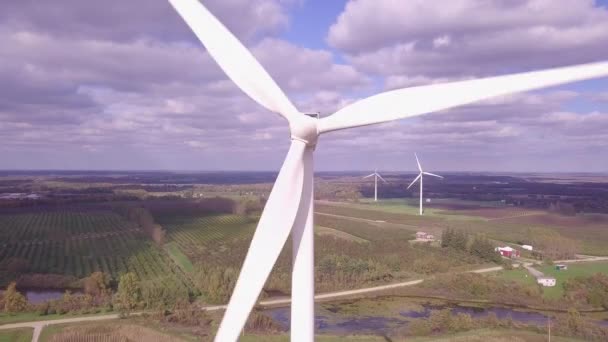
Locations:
{"points": [[201, 170], [159, 253]]}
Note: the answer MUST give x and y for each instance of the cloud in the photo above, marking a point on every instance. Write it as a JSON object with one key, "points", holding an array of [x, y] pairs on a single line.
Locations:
{"points": [[129, 82], [136, 19], [468, 37]]}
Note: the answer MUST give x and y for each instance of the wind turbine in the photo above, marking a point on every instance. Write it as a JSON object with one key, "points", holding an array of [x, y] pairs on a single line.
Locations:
{"points": [[290, 205], [420, 177], [376, 176]]}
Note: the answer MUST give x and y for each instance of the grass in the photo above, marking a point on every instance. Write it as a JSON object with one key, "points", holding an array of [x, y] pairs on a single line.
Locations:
{"points": [[319, 338], [505, 224], [180, 258], [16, 335], [33, 316], [574, 270], [320, 230], [492, 335], [519, 275], [131, 329]]}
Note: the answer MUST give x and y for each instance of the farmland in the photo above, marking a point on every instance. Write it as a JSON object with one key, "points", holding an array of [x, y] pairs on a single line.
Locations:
{"points": [[75, 244], [508, 224], [199, 248]]}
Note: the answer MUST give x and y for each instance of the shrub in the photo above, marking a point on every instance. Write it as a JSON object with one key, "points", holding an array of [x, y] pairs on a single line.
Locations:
{"points": [[14, 301]]}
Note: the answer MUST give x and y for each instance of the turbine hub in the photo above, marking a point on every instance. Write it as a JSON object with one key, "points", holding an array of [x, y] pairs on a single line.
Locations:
{"points": [[305, 129]]}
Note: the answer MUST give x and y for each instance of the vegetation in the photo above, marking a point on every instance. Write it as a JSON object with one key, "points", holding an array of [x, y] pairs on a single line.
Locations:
{"points": [[58, 249], [14, 301], [129, 293], [592, 290], [574, 270], [16, 335], [180, 258]]}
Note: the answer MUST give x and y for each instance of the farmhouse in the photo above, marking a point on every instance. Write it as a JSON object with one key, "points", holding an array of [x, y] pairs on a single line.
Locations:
{"points": [[546, 281], [425, 236], [507, 252], [527, 247]]}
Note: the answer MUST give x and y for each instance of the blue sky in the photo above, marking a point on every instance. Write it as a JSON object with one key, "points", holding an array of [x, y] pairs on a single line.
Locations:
{"points": [[91, 86]]}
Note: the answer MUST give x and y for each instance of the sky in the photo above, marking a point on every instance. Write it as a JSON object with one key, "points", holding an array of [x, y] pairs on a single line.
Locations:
{"points": [[125, 85]]}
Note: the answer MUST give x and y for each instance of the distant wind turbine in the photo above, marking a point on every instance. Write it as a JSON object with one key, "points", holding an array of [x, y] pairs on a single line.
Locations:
{"points": [[376, 176], [290, 206], [420, 177]]}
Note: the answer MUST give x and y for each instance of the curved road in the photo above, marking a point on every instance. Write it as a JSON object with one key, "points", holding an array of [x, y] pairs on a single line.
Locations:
{"points": [[39, 325]]}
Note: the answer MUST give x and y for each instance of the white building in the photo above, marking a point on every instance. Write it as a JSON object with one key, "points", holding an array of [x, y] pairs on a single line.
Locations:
{"points": [[425, 236], [546, 281], [527, 247]]}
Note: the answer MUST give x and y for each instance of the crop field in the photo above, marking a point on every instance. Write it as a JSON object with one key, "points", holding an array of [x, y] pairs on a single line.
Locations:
{"points": [[77, 244], [123, 330], [209, 240], [195, 233]]}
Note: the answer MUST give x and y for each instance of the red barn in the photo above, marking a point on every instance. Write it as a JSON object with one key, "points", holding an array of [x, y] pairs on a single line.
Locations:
{"points": [[508, 252]]}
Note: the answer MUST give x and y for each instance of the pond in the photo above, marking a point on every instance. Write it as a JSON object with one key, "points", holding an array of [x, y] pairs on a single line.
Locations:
{"points": [[43, 295], [379, 325]]}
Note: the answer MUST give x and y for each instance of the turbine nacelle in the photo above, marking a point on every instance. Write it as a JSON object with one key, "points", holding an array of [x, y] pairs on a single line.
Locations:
{"points": [[304, 128]]}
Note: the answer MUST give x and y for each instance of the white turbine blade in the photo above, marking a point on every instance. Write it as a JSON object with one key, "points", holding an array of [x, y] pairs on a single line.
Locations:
{"points": [[408, 102], [271, 233], [414, 181], [233, 57], [432, 174], [369, 175], [418, 162], [381, 178]]}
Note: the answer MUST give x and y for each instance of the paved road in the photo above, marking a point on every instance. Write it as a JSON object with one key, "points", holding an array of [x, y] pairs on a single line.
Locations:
{"points": [[534, 272], [582, 258]]}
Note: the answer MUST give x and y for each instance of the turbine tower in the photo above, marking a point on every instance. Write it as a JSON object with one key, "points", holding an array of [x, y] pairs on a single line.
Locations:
{"points": [[376, 176], [420, 177], [289, 207]]}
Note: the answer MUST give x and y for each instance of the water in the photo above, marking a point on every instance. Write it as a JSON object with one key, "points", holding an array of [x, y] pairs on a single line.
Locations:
{"points": [[41, 296], [526, 317], [343, 324]]}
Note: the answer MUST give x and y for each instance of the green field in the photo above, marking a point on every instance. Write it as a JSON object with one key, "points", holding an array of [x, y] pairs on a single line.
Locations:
{"points": [[16, 335], [492, 335], [507, 224], [78, 243], [574, 270], [519, 274], [180, 258], [320, 338]]}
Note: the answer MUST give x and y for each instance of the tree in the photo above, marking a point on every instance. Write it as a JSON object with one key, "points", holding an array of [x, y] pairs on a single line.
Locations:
{"points": [[446, 237], [96, 284], [482, 248], [13, 300], [456, 239], [129, 293]]}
